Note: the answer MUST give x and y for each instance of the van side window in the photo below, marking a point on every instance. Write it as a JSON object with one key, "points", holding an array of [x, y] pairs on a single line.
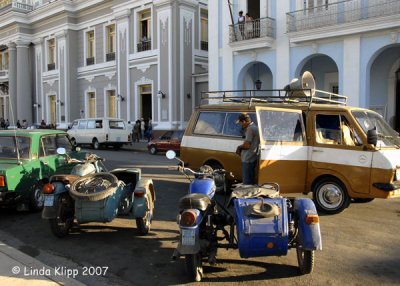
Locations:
{"points": [[91, 124], [281, 126], [82, 124], [210, 123], [74, 125], [335, 129], [117, 124], [99, 124]]}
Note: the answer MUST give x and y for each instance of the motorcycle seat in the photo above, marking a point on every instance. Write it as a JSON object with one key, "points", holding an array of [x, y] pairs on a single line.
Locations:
{"points": [[194, 201], [66, 179]]}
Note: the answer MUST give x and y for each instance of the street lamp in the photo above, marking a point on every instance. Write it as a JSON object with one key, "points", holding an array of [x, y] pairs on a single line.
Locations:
{"points": [[258, 84]]}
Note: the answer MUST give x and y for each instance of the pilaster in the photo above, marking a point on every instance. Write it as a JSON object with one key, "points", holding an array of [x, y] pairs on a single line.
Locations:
{"points": [[24, 92]]}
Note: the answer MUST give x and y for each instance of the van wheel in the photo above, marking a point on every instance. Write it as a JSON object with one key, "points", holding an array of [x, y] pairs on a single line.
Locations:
{"points": [[95, 144], [73, 141], [330, 196]]}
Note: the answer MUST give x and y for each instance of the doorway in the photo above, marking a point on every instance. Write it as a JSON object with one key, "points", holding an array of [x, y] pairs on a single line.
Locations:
{"points": [[145, 101], [53, 110], [253, 8]]}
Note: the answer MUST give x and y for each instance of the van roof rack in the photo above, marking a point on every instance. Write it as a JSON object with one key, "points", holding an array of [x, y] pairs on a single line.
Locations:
{"points": [[291, 96]]}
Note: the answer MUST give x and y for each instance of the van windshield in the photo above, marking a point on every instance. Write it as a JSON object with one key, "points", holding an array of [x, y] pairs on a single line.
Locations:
{"points": [[387, 137]]}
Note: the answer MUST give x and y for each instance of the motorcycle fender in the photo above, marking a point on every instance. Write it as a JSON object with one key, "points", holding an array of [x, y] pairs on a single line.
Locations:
{"points": [[139, 204], [51, 212], [309, 234], [139, 207], [191, 249]]}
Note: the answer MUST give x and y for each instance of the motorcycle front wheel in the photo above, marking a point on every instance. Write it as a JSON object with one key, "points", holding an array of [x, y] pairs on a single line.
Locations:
{"points": [[61, 225], [194, 266], [305, 259]]}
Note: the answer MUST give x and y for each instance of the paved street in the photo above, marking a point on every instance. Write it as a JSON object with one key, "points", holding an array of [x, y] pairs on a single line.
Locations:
{"points": [[360, 245]]}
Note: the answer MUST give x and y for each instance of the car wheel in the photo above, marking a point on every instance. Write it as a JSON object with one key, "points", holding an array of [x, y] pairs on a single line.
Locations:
{"points": [[330, 196], [95, 144], [94, 187], [37, 197], [61, 225], [305, 258], [143, 224], [153, 150]]}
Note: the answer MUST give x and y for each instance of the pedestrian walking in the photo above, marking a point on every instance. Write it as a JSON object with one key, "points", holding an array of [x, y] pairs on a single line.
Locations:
{"points": [[136, 131], [149, 129], [142, 127], [18, 124]]}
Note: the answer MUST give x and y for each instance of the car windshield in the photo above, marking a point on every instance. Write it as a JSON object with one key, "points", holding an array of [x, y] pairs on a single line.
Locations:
{"points": [[387, 137], [8, 147]]}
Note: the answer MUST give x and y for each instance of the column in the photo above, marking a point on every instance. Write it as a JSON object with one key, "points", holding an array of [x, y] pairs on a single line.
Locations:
{"points": [[24, 93], [12, 83]]}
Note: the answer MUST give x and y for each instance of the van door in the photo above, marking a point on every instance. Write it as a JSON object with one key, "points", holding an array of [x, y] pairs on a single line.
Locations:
{"points": [[338, 151], [283, 148]]}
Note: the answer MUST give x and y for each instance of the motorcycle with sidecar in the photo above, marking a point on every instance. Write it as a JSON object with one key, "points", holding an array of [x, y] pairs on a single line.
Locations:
{"points": [[90, 194], [266, 224]]}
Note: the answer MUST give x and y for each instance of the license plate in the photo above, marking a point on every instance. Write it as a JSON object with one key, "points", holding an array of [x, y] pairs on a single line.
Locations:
{"points": [[48, 201], [188, 236], [118, 139]]}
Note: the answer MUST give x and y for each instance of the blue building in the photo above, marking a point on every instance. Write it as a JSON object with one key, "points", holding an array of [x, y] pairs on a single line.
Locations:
{"points": [[351, 48]]}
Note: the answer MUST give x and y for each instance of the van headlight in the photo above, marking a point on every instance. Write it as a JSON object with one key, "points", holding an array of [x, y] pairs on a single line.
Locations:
{"points": [[397, 174]]}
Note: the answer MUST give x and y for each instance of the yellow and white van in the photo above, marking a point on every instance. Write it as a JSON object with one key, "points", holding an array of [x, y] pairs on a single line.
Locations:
{"points": [[314, 144]]}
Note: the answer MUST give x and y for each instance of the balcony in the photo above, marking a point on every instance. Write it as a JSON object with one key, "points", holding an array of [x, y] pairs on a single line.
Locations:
{"points": [[258, 33], [204, 45], [51, 67], [144, 46], [110, 57], [90, 61], [3, 76], [342, 18], [7, 5]]}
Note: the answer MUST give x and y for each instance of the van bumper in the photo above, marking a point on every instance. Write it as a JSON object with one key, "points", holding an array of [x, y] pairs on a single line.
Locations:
{"points": [[392, 190]]}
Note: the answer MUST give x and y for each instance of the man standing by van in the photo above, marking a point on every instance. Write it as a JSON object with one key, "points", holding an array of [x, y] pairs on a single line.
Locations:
{"points": [[248, 150]]}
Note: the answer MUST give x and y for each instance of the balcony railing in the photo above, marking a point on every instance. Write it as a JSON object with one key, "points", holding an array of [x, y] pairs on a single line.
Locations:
{"points": [[90, 61], [144, 46], [258, 28], [204, 45], [51, 67], [340, 12], [110, 57], [14, 5]]}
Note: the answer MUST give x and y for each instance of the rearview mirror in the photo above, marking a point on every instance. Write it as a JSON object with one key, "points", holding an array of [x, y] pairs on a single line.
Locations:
{"points": [[170, 154], [372, 136]]}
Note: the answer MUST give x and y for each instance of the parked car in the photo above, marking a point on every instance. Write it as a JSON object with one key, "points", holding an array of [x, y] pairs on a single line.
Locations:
{"points": [[170, 140], [28, 158], [100, 131]]}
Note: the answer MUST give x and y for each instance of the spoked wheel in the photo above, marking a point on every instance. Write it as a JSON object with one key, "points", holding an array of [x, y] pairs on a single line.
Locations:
{"points": [[305, 259], [143, 224], [61, 225], [194, 266], [37, 197]]}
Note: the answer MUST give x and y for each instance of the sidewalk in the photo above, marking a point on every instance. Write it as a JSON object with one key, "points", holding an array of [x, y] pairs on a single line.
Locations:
{"points": [[19, 269]]}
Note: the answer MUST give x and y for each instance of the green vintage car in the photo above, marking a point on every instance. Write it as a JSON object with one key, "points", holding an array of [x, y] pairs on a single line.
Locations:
{"points": [[28, 158]]}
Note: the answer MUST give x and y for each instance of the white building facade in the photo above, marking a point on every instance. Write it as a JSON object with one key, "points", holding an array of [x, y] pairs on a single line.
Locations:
{"points": [[351, 48], [131, 59]]}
